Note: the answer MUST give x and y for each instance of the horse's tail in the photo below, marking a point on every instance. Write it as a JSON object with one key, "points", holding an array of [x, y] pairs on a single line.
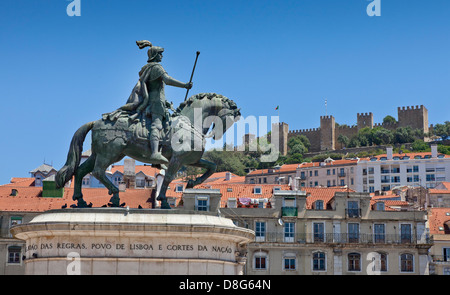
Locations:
{"points": [[73, 156]]}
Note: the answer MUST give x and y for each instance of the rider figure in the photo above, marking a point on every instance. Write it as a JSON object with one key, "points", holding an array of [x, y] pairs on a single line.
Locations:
{"points": [[148, 96]]}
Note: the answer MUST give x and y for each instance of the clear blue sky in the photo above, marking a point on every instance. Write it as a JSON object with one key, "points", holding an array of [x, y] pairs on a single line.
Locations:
{"points": [[59, 72]]}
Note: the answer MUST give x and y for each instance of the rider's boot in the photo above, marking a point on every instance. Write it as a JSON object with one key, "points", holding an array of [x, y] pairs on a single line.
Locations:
{"points": [[156, 157]]}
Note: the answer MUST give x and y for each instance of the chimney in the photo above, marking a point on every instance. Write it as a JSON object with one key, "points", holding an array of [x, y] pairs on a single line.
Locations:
{"points": [[228, 176], [129, 173], [434, 151], [389, 152]]}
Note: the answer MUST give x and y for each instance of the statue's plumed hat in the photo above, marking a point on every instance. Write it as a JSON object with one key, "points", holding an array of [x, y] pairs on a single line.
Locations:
{"points": [[152, 52]]}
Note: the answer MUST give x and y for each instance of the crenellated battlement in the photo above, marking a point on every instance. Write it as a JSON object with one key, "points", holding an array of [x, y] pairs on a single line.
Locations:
{"points": [[326, 136], [410, 108]]}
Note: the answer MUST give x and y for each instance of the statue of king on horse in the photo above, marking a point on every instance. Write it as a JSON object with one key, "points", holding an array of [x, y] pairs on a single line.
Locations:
{"points": [[145, 130]]}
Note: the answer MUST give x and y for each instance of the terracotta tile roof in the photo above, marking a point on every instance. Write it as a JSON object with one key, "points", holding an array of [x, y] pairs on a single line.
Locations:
{"points": [[22, 181], [326, 194], [410, 155], [444, 188], [146, 169], [29, 199], [232, 190], [390, 205], [437, 218]]}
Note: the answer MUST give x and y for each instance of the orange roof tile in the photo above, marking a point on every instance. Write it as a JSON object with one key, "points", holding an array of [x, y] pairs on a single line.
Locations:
{"points": [[30, 198], [326, 194], [146, 169], [22, 181], [437, 217], [410, 155]]}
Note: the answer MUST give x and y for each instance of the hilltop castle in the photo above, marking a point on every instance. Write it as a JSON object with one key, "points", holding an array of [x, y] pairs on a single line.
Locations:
{"points": [[325, 137]]}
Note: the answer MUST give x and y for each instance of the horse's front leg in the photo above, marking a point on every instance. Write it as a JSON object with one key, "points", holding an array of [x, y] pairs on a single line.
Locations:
{"points": [[210, 169], [171, 172]]}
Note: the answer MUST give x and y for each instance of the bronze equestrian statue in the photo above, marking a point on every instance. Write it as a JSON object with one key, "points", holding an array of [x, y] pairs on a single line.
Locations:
{"points": [[144, 129]]}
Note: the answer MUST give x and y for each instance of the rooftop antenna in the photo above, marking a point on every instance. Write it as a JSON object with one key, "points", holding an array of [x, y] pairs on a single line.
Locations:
{"points": [[326, 112]]}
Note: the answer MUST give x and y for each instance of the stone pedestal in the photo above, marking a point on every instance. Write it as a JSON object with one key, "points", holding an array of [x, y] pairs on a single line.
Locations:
{"points": [[135, 241]]}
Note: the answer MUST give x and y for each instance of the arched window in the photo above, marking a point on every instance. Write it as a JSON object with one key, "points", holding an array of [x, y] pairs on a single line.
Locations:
{"points": [[319, 261], [379, 261], [289, 261], [260, 260], [354, 262], [407, 262]]}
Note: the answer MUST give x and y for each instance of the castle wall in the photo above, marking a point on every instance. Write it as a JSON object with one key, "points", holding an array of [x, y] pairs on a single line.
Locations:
{"points": [[415, 116], [348, 131], [325, 138], [312, 134]]}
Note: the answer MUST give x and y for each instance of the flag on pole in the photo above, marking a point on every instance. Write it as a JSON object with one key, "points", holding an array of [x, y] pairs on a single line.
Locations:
{"points": [[277, 107]]}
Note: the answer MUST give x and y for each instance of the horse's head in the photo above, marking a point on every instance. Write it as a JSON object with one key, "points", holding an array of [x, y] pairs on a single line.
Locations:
{"points": [[215, 109], [224, 119]]}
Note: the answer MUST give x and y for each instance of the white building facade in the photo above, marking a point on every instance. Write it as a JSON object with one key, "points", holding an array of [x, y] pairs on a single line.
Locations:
{"points": [[385, 172]]}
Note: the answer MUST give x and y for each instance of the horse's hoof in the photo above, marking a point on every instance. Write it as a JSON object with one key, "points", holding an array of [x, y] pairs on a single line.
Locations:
{"points": [[165, 205]]}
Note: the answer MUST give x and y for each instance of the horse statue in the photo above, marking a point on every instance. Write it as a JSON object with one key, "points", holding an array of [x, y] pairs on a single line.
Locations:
{"points": [[117, 135]]}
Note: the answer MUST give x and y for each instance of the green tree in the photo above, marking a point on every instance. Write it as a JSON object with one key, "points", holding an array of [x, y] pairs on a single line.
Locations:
{"points": [[381, 135], [389, 119], [442, 130], [343, 140], [419, 146]]}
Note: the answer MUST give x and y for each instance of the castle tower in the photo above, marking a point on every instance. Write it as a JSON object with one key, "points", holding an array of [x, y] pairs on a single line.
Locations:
{"points": [[414, 117], [327, 133], [364, 120], [281, 130]]}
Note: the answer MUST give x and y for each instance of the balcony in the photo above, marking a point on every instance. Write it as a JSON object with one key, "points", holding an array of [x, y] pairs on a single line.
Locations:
{"points": [[342, 238], [353, 213], [440, 258], [289, 211], [341, 174]]}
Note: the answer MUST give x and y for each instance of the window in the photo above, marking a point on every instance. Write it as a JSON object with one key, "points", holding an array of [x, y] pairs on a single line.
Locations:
{"points": [[406, 263], [316, 173], [328, 172], [15, 220], [260, 231], [289, 262], [14, 254], [405, 233], [260, 261], [319, 232], [352, 209], [379, 206], [379, 233], [430, 177], [354, 262], [319, 261], [342, 182], [446, 252], [289, 202], [379, 261], [318, 205], [289, 229], [231, 203], [353, 232], [86, 181], [202, 203], [257, 190]]}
